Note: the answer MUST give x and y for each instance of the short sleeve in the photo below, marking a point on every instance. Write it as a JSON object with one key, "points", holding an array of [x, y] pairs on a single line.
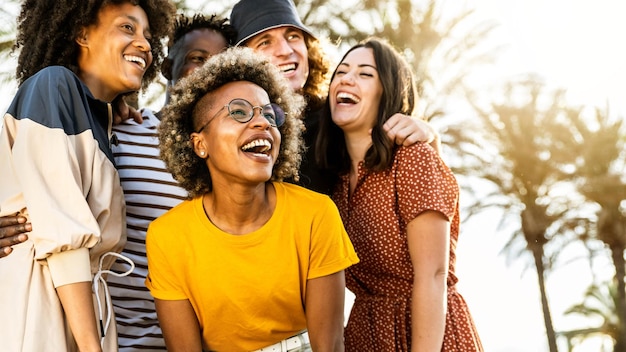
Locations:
{"points": [[331, 248], [162, 279], [423, 182]]}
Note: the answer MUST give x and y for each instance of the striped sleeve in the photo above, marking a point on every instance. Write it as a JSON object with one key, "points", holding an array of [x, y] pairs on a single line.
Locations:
{"points": [[149, 191]]}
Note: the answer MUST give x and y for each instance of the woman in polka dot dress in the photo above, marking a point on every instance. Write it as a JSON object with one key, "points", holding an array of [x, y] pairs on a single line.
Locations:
{"points": [[400, 208]]}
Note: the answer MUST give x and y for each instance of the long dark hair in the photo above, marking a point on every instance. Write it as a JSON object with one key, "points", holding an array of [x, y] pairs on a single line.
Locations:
{"points": [[399, 96]]}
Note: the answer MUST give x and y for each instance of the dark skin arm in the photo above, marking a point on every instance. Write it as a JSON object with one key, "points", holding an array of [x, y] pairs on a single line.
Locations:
{"points": [[180, 325], [13, 229], [325, 297]]}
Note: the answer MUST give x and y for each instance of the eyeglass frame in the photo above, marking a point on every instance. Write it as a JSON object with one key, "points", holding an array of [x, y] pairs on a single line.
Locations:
{"points": [[249, 117]]}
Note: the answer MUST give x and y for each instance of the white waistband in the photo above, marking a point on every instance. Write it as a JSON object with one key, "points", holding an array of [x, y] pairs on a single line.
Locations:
{"points": [[289, 344]]}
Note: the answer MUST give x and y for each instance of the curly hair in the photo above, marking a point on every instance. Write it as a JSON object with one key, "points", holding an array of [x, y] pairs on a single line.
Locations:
{"points": [[234, 64], [47, 30], [316, 87], [185, 24]]}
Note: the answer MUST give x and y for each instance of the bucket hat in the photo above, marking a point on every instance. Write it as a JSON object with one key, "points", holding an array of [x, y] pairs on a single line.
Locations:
{"points": [[251, 17]]}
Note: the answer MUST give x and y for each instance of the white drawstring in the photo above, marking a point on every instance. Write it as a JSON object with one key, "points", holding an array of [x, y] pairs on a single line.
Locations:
{"points": [[97, 280]]}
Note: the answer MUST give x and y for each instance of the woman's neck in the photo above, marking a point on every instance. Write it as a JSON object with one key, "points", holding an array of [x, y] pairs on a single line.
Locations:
{"points": [[97, 88], [357, 145], [238, 209]]}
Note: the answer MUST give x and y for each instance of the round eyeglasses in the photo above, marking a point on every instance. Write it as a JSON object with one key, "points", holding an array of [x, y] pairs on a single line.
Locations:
{"points": [[242, 111]]}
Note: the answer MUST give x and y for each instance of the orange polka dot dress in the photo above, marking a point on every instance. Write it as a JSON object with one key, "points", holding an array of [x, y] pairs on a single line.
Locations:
{"points": [[375, 217]]}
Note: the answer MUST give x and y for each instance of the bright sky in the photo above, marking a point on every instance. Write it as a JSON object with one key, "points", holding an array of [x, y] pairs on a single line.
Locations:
{"points": [[576, 45], [573, 44]]}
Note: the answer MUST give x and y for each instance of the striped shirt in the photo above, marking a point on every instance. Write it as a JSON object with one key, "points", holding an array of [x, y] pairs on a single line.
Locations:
{"points": [[149, 191]]}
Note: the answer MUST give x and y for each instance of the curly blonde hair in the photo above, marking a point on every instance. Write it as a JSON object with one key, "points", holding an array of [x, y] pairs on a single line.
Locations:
{"points": [[315, 89], [235, 64]]}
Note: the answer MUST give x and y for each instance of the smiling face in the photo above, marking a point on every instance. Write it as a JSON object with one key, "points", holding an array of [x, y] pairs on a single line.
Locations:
{"points": [[196, 47], [243, 153], [355, 92], [114, 52], [286, 48]]}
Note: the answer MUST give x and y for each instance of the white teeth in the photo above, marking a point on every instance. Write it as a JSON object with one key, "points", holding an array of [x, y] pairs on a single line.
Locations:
{"points": [[136, 59], [344, 97], [285, 68], [263, 143]]}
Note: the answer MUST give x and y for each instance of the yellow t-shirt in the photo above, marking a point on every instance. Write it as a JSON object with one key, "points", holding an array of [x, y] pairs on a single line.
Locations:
{"points": [[248, 291]]}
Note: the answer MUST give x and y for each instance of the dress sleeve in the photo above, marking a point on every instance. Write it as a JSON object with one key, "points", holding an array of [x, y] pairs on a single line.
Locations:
{"points": [[423, 182], [331, 248], [55, 168]]}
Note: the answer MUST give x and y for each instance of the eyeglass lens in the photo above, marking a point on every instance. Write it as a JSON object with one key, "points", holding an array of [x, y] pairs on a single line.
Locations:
{"points": [[242, 111]]}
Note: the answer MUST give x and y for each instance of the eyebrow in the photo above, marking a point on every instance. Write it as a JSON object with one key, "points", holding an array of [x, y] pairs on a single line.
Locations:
{"points": [[195, 50], [360, 65], [136, 20], [132, 18], [259, 38], [267, 35]]}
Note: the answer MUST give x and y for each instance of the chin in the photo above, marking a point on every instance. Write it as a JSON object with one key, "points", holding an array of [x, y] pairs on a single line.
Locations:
{"points": [[262, 177], [297, 83], [134, 81], [133, 89], [296, 87]]}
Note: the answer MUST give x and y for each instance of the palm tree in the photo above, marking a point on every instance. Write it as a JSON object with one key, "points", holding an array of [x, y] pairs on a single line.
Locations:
{"points": [[599, 304], [443, 49], [600, 155], [519, 147], [8, 26]]}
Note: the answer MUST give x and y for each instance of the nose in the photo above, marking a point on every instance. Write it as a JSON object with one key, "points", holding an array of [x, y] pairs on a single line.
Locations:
{"points": [[142, 43], [347, 78], [258, 120], [283, 48]]}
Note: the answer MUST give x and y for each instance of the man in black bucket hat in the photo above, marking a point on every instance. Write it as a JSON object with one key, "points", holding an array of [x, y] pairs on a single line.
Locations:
{"points": [[254, 17], [274, 28]]}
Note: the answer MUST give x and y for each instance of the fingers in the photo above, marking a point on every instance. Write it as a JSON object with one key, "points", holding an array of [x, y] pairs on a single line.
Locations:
{"points": [[404, 135], [12, 232], [6, 243], [120, 111], [136, 115], [9, 220], [406, 130], [117, 119], [123, 112]]}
